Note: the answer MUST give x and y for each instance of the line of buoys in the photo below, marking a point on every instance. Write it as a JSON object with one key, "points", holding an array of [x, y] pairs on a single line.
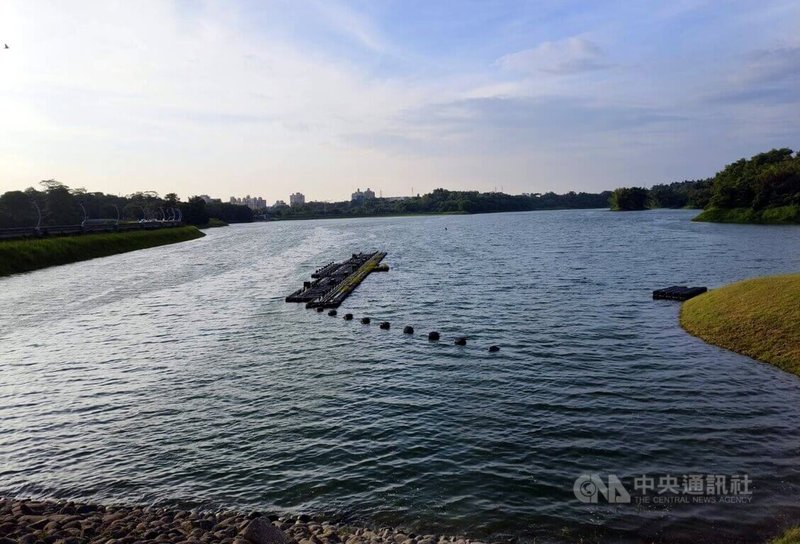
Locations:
{"points": [[433, 336]]}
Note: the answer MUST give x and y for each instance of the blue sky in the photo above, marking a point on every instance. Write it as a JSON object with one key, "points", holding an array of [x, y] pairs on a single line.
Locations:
{"points": [[272, 97]]}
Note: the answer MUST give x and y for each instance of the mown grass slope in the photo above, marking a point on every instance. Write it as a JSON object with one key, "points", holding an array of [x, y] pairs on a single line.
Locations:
{"points": [[31, 254], [792, 536], [759, 318]]}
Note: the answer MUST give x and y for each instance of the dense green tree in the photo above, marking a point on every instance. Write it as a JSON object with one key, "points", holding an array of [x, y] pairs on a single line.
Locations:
{"points": [[194, 211], [680, 194], [630, 199], [230, 213], [737, 185], [17, 210], [171, 200], [61, 205]]}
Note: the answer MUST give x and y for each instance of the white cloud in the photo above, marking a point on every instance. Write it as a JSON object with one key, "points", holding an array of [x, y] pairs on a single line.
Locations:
{"points": [[570, 56], [139, 84], [352, 24]]}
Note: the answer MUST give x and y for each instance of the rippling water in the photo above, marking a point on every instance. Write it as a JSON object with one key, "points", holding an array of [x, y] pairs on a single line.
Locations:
{"points": [[179, 375]]}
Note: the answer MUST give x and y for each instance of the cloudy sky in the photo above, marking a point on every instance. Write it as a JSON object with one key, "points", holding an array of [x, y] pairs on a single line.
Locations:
{"points": [[322, 96]]}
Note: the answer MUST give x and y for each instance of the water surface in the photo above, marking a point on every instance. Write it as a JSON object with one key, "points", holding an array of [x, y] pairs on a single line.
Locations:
{"points": [[179, 375]]}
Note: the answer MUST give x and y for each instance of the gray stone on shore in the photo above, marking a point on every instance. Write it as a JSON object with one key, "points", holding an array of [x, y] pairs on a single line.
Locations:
{"points": [[62, 522], [261, 531]]}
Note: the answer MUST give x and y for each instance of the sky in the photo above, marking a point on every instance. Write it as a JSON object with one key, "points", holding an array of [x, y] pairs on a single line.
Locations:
{"points": [[324, 96]]}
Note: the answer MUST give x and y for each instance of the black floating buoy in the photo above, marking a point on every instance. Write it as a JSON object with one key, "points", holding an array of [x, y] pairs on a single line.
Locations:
{"points": [[365, 320], [460, 341], [494, 349], [385, 325], [332, 313], [408, 329], [433, 335], [319, 310], [348, 317]]}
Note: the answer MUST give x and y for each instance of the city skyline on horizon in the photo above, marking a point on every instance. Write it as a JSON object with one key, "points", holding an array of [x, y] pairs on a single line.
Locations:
{"points": [[316, 96]]}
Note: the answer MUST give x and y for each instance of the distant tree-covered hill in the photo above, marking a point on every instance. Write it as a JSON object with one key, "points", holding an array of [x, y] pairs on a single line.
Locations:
{"points": [[443, 201], [60, 205], [762, 189]]}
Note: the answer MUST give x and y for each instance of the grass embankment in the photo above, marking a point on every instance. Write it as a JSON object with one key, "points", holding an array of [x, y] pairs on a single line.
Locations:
{"points": [[759, 318], [31, 254], [791, 536], [214, 223], [783, 215]]}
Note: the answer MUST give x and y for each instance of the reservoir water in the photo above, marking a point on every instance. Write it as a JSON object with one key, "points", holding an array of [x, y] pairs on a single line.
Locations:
{"points": [[179, 375]]}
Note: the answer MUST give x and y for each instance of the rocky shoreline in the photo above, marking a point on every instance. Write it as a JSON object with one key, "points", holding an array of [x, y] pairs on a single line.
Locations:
{"points": [[25, 521]]}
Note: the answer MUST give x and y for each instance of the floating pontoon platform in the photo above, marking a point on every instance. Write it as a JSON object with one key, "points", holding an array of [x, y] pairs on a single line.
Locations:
{"points": [[334, 282], [678, 292]]}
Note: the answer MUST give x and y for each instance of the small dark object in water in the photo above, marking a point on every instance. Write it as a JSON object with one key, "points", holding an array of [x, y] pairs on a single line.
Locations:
{"points": [[385, 325], [319, 310], [408, 329], [365, 320], [460, 341], [348, 317], [678, 292], [494, 349], [433, 335], [332, 313]]}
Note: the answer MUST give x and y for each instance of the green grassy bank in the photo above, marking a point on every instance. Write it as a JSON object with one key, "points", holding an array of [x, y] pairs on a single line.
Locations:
{"points": [[791, 536], [783, 215], [214, 223], [759, 318], [31, 254]]}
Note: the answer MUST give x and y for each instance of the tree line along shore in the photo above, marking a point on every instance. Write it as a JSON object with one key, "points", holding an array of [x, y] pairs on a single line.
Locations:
{"points": [[764, 189]]}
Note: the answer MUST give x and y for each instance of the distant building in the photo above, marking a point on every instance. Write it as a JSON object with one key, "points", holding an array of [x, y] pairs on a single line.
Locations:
{"points": [[209, 200], [252, 202], [297, 199], [279, 204], [361, 196]]}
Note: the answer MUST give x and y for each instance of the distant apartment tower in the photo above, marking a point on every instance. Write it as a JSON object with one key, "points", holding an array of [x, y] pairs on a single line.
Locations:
{"points": [[361, 196], [252, 202], [297, 199]]}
